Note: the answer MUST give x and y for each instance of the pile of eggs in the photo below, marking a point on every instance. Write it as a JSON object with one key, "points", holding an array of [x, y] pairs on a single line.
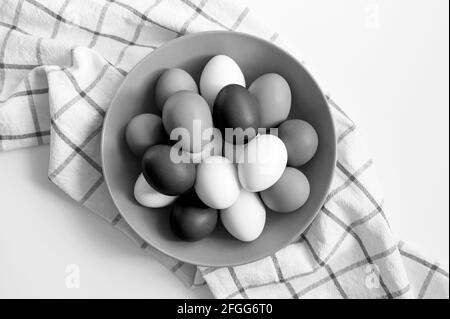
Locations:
{"points": [[233, 178]]}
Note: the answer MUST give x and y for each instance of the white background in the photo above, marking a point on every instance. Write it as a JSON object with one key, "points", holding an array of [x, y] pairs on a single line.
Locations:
{"points": [[384, 61]]}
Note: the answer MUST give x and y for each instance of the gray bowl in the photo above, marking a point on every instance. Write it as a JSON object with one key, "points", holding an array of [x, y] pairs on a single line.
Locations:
{"points": [[255, 57]]}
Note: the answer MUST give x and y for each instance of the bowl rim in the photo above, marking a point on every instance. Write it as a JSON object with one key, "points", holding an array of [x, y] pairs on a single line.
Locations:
{"points": [[328, 110]]}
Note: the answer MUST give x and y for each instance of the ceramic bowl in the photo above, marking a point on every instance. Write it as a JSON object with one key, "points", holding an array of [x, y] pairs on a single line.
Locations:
{"points": [[255, 57]]}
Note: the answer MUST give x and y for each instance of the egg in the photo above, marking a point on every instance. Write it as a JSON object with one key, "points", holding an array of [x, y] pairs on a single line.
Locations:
{"points": [[301, 141], [236, 114], [220, 71], [143, 131], [262, 163], [274, 97], [147, 196], [289, 193], [187, 117], [170, 82], [246, 218], [217, 184], [165, 175], [190, 219]]}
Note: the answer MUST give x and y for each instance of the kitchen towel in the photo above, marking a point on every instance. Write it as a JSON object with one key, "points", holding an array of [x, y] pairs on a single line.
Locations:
{"points": [[61, 63]]}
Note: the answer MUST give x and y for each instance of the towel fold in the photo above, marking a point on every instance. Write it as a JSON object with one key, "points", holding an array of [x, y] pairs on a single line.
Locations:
{"points": [[61, 63]]}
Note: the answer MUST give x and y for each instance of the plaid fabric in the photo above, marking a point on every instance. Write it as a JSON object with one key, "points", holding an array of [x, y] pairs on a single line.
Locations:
{"points": [[60, 64]]}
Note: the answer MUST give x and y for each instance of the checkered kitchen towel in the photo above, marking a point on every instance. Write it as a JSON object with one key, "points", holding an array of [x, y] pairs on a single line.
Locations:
{"points": [[60, 64]]}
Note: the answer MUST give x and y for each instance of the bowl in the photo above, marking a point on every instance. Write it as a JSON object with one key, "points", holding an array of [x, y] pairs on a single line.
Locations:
{"points": [[191, 52]]}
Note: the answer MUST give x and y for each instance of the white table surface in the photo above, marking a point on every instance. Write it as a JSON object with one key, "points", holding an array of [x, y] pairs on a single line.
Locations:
{"points": [[385, 62]]}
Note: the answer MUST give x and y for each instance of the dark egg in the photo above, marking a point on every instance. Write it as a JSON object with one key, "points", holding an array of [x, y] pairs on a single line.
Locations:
{"points": [[165, 175], [236, 108], [191, 220], [143, 131], [301, 141]]}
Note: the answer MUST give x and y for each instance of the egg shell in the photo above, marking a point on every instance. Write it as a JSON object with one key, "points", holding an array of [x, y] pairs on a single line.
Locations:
{"points": [[165, 175], [219, 72], [217, 184], [147, 196], [189, 112], [170, 82], [301, 141], [236, 114], [143, 131], [274, 97], [246, 218], [262, 163], [190, 219], [289, 193]]}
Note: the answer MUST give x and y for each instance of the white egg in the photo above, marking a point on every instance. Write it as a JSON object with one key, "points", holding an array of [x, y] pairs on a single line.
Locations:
{"points": [[149, 197], [217, 183], [219, 72], [246, 218], [262, 163]]}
